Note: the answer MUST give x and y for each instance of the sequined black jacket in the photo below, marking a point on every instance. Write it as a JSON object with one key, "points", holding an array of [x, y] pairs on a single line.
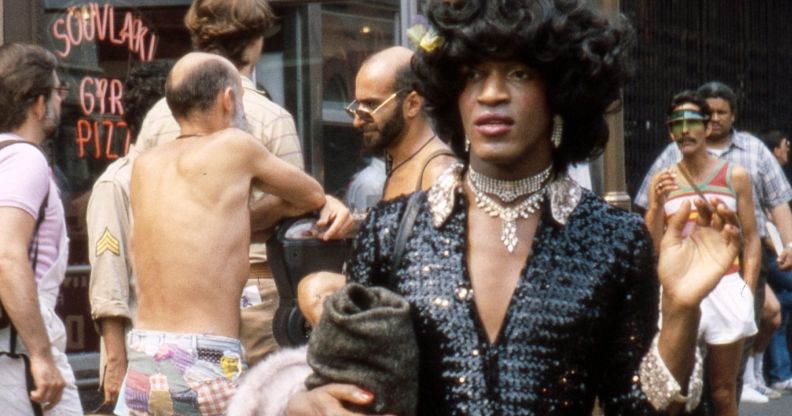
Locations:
{"points": [[583, 314]]}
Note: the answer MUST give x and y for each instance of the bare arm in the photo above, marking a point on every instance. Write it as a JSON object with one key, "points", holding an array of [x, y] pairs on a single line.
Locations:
{"points": [[752, 247], [113, 336], [268, 210], [782, 218], [279, 178], [20, 300]]}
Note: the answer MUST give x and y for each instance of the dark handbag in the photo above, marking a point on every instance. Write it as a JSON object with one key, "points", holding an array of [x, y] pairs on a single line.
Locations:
{"points": [[292, 257], [365, 337]]}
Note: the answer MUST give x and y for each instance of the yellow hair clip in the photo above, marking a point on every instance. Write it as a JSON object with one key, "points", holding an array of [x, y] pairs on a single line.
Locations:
{"points": [[431, 41]]}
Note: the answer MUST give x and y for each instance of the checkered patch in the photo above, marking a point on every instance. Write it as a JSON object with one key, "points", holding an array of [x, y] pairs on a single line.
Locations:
{"points": [[214, 395], [158, 382]]}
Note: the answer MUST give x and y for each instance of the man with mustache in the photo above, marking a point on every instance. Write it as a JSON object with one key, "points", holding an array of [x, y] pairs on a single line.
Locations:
{"points": [[391, 117], [727, 313], [34, 247], [771, 190], [190, 238]]}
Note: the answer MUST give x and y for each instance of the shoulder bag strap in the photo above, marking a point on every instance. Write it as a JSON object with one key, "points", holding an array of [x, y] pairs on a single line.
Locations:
{"points": [[432, 156], [693, 185], [405, 228]]}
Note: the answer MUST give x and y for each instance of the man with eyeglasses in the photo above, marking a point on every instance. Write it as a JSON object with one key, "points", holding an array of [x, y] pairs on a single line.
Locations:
{"points": [[391, 118], [35, 374]]}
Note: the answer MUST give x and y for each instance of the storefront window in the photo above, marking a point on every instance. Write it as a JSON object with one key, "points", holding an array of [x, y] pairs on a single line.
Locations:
{"points": [[97, 43], [351, 32]]}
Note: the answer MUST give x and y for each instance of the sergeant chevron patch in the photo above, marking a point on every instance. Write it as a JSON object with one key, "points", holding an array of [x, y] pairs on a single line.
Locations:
{"points": [[107, 242]]}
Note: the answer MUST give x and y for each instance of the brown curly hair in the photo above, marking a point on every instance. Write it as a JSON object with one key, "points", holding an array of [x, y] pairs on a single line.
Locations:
{"points": [[26, 73], [226, 27]]}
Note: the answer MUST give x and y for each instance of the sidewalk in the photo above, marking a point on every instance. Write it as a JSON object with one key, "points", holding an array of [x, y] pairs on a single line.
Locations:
{"points": [[780, 407]]}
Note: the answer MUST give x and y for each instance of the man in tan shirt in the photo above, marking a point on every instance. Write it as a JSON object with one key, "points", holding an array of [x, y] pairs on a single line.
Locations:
{"points": [[112, 284], [236, 31], [190, 237]]}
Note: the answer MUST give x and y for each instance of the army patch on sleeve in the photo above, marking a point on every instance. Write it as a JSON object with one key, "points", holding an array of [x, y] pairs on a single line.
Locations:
{"points": [[107, 242]]}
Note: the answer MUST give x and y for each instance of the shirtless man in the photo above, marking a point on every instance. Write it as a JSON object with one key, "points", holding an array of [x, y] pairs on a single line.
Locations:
{"points": [[190, 238], [390, 114]]}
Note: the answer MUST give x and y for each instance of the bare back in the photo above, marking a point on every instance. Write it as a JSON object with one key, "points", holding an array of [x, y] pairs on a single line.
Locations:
{"points": [[191, 231]]}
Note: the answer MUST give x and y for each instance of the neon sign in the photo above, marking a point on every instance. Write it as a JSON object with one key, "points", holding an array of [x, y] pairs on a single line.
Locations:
{"points": [[100, 124], [92, 23]]}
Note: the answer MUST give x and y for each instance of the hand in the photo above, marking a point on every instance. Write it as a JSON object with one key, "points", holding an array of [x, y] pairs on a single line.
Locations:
{"points": [[327, 400], [48, 380], [666, 183], [690, 267], [113, 378], [334, 215], [784, 261]]}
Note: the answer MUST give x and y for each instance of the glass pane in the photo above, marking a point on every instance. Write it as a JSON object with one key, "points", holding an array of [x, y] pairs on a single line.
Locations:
{"points": [[96, 44], [351, 31]]}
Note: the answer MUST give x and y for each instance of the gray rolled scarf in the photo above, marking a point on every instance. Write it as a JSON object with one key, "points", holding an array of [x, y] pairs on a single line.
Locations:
{"points": [[365, 337]]}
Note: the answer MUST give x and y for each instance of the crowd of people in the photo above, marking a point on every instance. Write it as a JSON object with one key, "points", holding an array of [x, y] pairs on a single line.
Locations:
{"points": [[520, 291]]}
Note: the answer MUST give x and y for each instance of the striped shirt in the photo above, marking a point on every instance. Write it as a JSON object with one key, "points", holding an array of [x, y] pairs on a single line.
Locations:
{"points": [[268, 122], [768, 183], [717, 185]]}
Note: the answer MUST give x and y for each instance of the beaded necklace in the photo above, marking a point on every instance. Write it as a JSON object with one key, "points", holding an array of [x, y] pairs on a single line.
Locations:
{"points": [[389, 160], [508, 191]]}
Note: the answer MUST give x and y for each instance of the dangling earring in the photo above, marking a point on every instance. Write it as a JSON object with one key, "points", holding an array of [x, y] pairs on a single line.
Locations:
{"points": [[558, 130], [467, 145]]}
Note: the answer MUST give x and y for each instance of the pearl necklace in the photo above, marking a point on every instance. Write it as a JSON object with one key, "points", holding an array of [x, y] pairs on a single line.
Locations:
{"points": [[508, 191], [509, 215]]}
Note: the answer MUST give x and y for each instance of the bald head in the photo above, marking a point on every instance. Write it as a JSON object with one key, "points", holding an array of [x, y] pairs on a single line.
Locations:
{"points": [[391, 65], [195, 82]]}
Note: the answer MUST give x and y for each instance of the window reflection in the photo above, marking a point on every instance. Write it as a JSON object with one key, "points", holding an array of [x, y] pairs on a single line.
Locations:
{"points": [[351, 32]]}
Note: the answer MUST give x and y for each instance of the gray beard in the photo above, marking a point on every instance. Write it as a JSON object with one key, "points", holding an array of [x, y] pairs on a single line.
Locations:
{"points": [[51, 120], [240, 121]]}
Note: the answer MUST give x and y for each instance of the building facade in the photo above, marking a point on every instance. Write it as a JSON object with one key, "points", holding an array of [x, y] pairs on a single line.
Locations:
{"points": [[309, 67]]}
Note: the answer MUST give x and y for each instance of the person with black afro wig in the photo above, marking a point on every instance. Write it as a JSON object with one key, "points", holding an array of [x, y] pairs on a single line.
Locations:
{"points": [[529, 294]]}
